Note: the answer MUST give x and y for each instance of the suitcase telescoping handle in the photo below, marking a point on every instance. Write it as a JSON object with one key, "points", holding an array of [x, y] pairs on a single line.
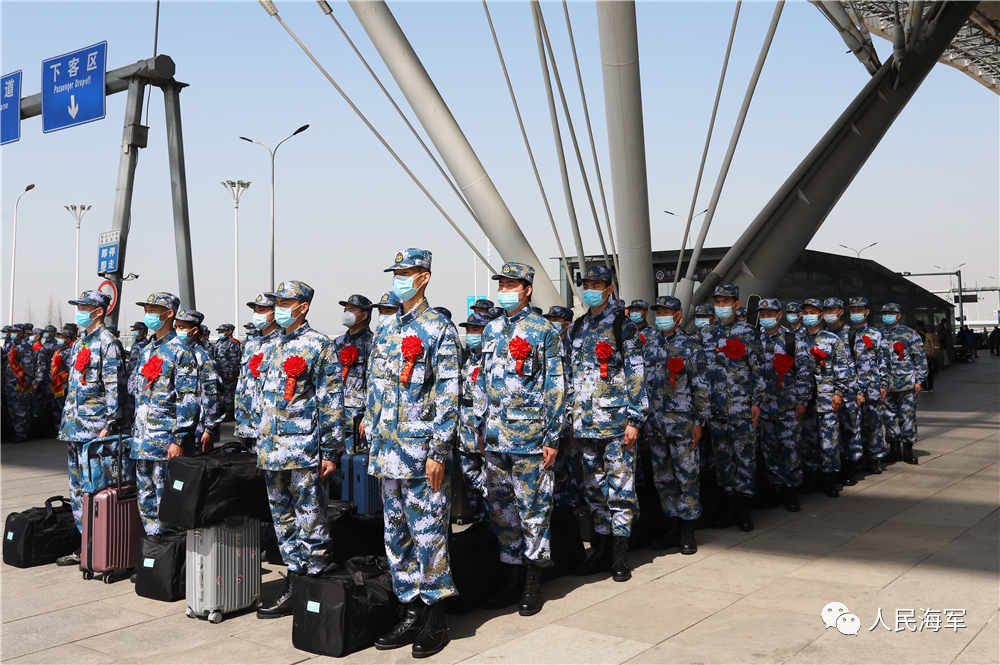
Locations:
{"points": [[121, 464]]}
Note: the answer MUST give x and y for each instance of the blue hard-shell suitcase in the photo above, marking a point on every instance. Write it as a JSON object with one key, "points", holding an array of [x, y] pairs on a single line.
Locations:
{"points": [[359, 487]]}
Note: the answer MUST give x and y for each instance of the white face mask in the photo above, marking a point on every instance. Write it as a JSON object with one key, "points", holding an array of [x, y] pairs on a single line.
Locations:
{"points": [[348, 319]]}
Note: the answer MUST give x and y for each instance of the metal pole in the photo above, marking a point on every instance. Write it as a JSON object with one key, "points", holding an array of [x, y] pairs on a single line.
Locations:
{"points": [[236, 235], [77, 289], [272, 216], [961, 307], [13, 255], [178, 194], [627, 146], [458, 155]]}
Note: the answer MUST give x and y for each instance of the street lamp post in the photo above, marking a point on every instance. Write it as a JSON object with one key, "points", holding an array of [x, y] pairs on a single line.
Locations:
{"points": [[271, 152], [78, 214], [236, 189], [957, 273], [13, 255], [858, 251]]}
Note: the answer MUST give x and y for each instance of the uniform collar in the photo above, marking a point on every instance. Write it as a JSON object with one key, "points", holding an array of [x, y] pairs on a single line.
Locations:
{"points": [[421, 307], [361, 333], [166, 338], [609, 312], [91, 335], [514, 318], [298, 332]]}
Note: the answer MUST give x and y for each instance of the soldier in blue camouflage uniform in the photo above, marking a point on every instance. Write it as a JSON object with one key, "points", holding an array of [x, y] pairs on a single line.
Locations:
{"points": [[249, 387], [906, 369], [851, 449], [495, 312], [301, 436], [227, 354], [520, 418], [483, 306], [167, 406], [61, 361], [784, 405], [874, 383], [678, 408], [387, 307], [19, 384], [468, 453], [609, 408], [187, 325], [411, 422], [94, 399], [41, 397], [831, 382], [357, 318], [568, 469], [793, 315], [637, 313], [704, 316], [139, 342], [735, 363]]}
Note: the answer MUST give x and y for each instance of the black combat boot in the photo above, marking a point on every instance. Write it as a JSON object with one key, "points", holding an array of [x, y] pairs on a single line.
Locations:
{"points": [[670, 537], [874, 466], [599, 560], [282, 606], [847, 471], [791, 500], [406, 631], [688, 546], [620, 571], [893, 455], [828, 487], [908, 454], [510, 591], [531, 601], [809, 479], [725, 518], [743, 519], [433, 635], [771, 498]]}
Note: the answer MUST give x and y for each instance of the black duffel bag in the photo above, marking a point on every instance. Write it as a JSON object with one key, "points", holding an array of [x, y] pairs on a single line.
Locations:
{"points": [[476, 569], [210, 487], [40, 535], [354, 535], [159, 573], [344, 608]]}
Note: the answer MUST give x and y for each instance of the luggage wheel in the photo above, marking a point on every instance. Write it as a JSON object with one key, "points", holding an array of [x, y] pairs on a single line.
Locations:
{"points": [[215, 617], [189, 613], [88, 574]]}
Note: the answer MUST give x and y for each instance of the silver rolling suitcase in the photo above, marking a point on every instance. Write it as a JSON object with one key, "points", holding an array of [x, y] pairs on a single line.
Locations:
{"points": [[223, 568]]}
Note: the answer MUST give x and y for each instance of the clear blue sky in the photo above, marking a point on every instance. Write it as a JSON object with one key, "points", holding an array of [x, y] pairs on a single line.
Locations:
{"points": [[928, 195]]}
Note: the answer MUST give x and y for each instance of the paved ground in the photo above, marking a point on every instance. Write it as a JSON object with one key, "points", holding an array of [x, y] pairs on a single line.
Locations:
{"points": [[915, 538]]}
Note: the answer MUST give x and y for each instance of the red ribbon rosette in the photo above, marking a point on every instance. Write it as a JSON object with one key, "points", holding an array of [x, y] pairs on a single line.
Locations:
{"points": [[520, 350], [475, 374], [292, 367], [898, 348], [255, 361], [820, 355], [642, 338], [80, 364], [867, 339], [734, 349], [675, 366], [348, 356], [151, 370], [783, 364], [59, 375], [603, 351], [412, 348], [36, 346]]}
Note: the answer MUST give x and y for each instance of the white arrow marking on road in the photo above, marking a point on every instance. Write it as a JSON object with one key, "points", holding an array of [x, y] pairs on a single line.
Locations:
{"points": [[73, 108]]}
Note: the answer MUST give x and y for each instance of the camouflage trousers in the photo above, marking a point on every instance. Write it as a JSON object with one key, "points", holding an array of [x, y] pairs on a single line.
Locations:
{"points": [[227, 398], [901, 417], [568, 471], [416, 538], [735, 455], [675, 474], [609, 484], [872, 436], [150, 476], [779, 445], [520, 506], [474, 478], [20, 407], [851, 446], [298, 509], [58, 404], [74, 450], [820, 441]]}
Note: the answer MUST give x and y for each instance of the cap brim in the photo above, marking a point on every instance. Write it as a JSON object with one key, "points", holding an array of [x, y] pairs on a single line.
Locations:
{"points": [[77, 302]]}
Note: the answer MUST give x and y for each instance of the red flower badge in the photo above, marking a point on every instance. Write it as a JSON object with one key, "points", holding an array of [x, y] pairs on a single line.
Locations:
{"points": [[36, 346], [151, 370], [348, 356], [520, 350], [734, 349], [642, 338], [898, 348], [867, 339], [783, 364], [603, 351], [80, 364], [475, 374], [820, 355], [254, 364], [675, 366], [412, 348], [292, 367]]}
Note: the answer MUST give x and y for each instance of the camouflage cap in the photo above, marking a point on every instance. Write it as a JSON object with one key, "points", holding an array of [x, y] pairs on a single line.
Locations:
{"points": [[892, 308], [5, 329], [727, 291], [204, 331], [262, 300], [139, 325], [858, 301], [190, 315], [517, 271], [357, 300], [639, 304], [67, 332], [94, 297], [600, 273], [769, 303], [443, 310], [38, 331], [536, 310], [411, 258], [495, 312], [49, 329], [249, 326], [704, 309], [668, 301], [793, 307], [483, 303], [812, 302], [740, 311], [618, 303], [226, 327], [389, 299], [559, 312], [475, 319], [292, 289], [163, 299], [834, 302]]}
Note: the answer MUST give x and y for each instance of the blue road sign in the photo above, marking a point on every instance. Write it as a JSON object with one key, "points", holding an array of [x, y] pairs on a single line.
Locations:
{"points": [[107, 258], [73, 88], [10, 107]]}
